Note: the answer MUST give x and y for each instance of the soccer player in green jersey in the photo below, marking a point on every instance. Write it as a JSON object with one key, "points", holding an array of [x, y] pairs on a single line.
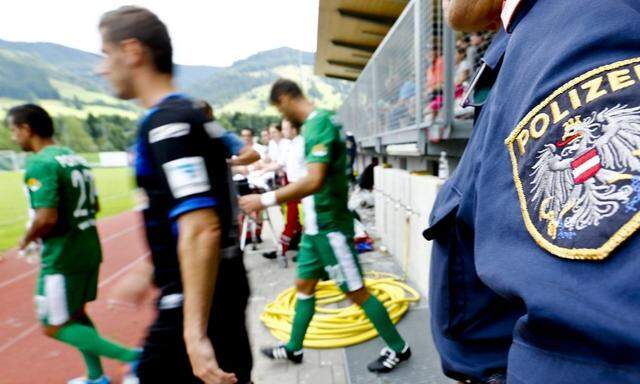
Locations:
{"points": [[62, 194], [327, 248]]}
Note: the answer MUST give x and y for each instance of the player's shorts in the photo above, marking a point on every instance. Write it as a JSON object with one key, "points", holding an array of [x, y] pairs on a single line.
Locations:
{"points": [[330, 254], [59, 296], [164, 357]]}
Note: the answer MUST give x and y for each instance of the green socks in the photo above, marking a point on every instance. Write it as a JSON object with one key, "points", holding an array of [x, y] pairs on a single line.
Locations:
{"points": [[88, 341], [305, 307], [378, 315], [94, 366]]}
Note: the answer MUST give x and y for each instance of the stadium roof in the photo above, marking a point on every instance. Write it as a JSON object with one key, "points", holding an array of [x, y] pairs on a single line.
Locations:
{"points": [[349, 31]]}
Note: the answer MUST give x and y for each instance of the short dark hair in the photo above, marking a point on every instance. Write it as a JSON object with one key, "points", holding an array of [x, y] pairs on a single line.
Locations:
{"points": [[247, 129], [277, 126], [35, 117], [206, 108], [130, 22], [284, 87]]}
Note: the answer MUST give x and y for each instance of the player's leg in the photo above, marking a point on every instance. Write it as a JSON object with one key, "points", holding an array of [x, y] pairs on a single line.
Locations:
{"points": [[309, 271], [341, 261], [65, 319]]}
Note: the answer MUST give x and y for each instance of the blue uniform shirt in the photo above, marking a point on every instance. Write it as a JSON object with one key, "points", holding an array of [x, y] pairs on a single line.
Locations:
{"points": [[181, 164], [536, 231]]}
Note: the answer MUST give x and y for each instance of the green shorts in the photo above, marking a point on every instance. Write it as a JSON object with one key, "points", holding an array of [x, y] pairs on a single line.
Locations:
{"points": [[333, 255], [59, 296]]}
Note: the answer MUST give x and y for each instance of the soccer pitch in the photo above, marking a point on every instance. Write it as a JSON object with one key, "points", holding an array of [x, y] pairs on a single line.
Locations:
{"points": [[115, 189]]}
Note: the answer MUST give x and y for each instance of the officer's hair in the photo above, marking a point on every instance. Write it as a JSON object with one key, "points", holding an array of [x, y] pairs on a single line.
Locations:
{"points": [[284, 87], [35, 117], [130, 22], [248, 129]]}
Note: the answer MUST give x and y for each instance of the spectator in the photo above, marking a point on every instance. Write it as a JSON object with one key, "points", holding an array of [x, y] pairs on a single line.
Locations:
{"points": [[265, 137], [366, 180], [463, 71]]}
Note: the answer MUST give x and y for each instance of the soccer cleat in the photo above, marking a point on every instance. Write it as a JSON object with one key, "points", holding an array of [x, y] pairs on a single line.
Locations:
{"points": [[389, 360], [280, 352], [83, 380], [270, 255], [131, 376]]}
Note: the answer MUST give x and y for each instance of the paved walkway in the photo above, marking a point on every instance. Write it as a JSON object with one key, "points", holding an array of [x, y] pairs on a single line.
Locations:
{"points": [[336, 365]]}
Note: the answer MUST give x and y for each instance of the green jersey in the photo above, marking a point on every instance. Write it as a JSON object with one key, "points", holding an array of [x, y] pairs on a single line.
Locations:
{"points": [[56, 177], [324, 143]]}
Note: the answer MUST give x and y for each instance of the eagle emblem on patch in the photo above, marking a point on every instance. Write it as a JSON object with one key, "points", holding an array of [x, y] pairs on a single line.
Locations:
{"points": [[576, 163]]}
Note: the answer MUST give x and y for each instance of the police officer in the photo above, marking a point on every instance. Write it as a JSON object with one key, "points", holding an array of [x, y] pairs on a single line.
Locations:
{"points": [[199, 334], [534, 270]]}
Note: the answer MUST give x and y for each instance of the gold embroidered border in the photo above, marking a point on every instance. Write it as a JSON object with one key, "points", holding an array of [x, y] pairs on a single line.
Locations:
{"points": [[568, 253]]}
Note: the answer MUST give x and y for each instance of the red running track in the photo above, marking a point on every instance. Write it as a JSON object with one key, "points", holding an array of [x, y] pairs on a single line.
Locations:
{"points": [[26, 355]]}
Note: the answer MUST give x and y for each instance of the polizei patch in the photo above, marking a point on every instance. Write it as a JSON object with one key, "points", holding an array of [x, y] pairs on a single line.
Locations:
{"points": [[576, 163]]}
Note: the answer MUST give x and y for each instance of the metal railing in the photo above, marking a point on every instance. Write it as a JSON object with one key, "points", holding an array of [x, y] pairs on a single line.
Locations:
{"points": [[407, 92]]}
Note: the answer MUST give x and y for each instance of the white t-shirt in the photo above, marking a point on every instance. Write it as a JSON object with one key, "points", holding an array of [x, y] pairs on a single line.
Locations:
{"points": [[273, 150], [294, 161], [261, 149]]}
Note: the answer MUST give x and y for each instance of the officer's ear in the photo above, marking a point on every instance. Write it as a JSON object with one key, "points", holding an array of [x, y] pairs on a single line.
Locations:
{"points": [[472, 15]]}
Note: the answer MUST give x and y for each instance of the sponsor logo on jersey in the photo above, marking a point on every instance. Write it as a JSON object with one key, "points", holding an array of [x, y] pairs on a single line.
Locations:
{"points": [[34, 184], [168, 131], [187, 176], [319, 150]]}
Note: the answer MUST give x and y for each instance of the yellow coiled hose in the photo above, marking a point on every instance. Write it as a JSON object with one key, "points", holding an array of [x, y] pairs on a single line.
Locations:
{"points": [[333, 327]]}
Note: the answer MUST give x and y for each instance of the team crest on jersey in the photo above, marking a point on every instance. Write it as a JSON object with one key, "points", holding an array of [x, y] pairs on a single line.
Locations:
{"points": [[319, 150], [34, 184], [576, 163]]}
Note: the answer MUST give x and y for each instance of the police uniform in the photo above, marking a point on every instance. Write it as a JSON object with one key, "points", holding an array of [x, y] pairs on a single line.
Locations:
{"points": [[536, 248], [181, 164]]}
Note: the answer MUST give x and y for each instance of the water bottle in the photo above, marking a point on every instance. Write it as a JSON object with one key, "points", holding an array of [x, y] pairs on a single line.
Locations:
{"points": [[443, 166]]}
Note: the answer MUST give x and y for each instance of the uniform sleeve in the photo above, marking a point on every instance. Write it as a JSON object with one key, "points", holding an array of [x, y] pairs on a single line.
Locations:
{"points": [[173, 145], [233, 143], [41, 178], [319, 142]]}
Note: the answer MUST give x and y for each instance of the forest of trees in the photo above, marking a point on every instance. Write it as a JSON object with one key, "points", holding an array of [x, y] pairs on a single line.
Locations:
{"points": [[116, 133]]}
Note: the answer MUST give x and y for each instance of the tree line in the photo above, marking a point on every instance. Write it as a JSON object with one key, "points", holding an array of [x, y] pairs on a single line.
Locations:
{"points": [[116, 133]]}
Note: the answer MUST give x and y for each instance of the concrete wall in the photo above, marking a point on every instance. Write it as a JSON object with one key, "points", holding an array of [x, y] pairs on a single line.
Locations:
{"points": [[403, 204]]}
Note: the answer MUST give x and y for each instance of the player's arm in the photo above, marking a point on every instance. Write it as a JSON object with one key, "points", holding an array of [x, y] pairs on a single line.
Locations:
{"points": [[42, 184], [245, 156], [199, 255], [43, 222]]}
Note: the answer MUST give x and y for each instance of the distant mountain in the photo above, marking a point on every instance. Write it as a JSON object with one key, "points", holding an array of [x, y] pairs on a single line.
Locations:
{"points": [[64, 80]]}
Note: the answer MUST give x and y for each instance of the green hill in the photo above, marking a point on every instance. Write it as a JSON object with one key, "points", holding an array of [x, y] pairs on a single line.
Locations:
{"points": [[63, 79]]}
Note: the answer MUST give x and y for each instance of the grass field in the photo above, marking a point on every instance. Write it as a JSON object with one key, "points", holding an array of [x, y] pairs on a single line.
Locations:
{"points": [[115, 189]]}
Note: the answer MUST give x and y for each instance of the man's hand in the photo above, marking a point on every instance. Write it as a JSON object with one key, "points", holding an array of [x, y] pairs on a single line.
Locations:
{"points": [[250, 203], [204, 363]]}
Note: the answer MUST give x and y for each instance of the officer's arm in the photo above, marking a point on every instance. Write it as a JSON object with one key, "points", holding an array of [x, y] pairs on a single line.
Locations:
{"points": [[472, 15], [43, 222], [199, 255]]}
